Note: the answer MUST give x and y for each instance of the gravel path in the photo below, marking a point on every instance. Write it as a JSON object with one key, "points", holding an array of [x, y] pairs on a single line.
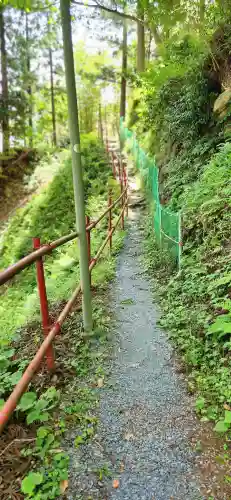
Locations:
{"points": [[146, 416]]}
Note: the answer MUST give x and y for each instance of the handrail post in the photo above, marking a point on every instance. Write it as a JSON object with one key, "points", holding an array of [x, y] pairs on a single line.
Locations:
{"points": [[126, 186], [50, 358], [113, 164], [88, 234], [110, 220], [119, 171]]}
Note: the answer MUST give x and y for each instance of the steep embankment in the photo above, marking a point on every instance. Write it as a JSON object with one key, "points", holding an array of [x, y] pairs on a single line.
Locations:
{"points": [[49, 215], [188, 115]]}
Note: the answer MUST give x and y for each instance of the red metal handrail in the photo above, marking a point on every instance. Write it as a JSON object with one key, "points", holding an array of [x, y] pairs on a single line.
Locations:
{"points": [[47, 248], [46, 348], [29, 259]]}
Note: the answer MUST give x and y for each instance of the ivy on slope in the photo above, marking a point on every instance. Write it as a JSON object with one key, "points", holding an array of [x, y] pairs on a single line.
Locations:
{"points": [[173, 116], [196, 304]]}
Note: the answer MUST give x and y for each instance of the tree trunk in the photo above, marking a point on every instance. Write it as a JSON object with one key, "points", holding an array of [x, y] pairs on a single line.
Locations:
{"points": [[156, 34], [105, 123], [29, 89], [73, 120], [100, 122], [5, 109], [54, 136], [140, 39], [149, 46], [124, 70], [202, 13]]}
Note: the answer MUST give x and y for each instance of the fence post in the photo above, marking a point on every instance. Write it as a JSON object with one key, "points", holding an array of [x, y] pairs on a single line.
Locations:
{"points": [[50, 359], [110, 219], [160, 222], [88, 235], [179, 241], [126, 186], [122, 202], [119, 169], [113, 164]]}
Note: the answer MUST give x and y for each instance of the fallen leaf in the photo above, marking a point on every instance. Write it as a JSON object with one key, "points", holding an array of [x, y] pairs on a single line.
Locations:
{"points": [[115, 483], [63, 486], [127, 302], [128, 436], [122, 467], [100, 382]]}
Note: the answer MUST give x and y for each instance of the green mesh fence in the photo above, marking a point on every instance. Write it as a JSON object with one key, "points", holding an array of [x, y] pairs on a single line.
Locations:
{"points": [[167, 224]]}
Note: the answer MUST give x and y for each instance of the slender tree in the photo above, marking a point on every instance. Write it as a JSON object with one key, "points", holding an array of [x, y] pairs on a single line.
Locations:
{"points": [[54, 135], [29, 88], [124, 69], [100, 122], [202, 13], [76, 161], [52, 91], [4, 104], [140, 38]]}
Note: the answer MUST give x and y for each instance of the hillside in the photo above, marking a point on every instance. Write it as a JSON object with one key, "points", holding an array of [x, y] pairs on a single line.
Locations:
{"points": [[50, 215], [182, 116], [115, 341]]}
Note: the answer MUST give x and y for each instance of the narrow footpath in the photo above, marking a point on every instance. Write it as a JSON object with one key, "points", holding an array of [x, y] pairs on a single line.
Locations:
{"points": [[146, 417]]}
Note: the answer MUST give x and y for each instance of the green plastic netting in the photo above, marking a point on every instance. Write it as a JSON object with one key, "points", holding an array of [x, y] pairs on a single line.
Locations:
{"points": [[167, 224]]}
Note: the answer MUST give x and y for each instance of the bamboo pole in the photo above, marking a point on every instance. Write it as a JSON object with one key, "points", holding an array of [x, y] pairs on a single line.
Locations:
{"points": [[76, 161]]}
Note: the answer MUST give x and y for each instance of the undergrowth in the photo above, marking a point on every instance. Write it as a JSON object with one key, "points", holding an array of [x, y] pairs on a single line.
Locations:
{"points": [[69, 397], [50, 215], [196, 303], [71, 401], [175, 120]]}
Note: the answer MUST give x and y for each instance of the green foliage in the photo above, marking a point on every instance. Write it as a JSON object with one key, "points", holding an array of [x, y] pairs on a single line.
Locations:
{"points": [[196, 303], [50, 215], [46, 484], [50, 463], [127, 302], [174, 119], [175, 113], [77, 405], [10, 370], [225, 424], [55, 203], [176, 56], [38, 409], [30, 482]]}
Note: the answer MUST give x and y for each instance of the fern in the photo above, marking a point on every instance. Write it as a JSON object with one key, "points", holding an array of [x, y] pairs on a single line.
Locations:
{"points": [[222, 326], [225, 280]]}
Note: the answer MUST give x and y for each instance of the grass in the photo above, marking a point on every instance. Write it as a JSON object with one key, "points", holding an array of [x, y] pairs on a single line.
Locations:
{"points": [[50, 215]]}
